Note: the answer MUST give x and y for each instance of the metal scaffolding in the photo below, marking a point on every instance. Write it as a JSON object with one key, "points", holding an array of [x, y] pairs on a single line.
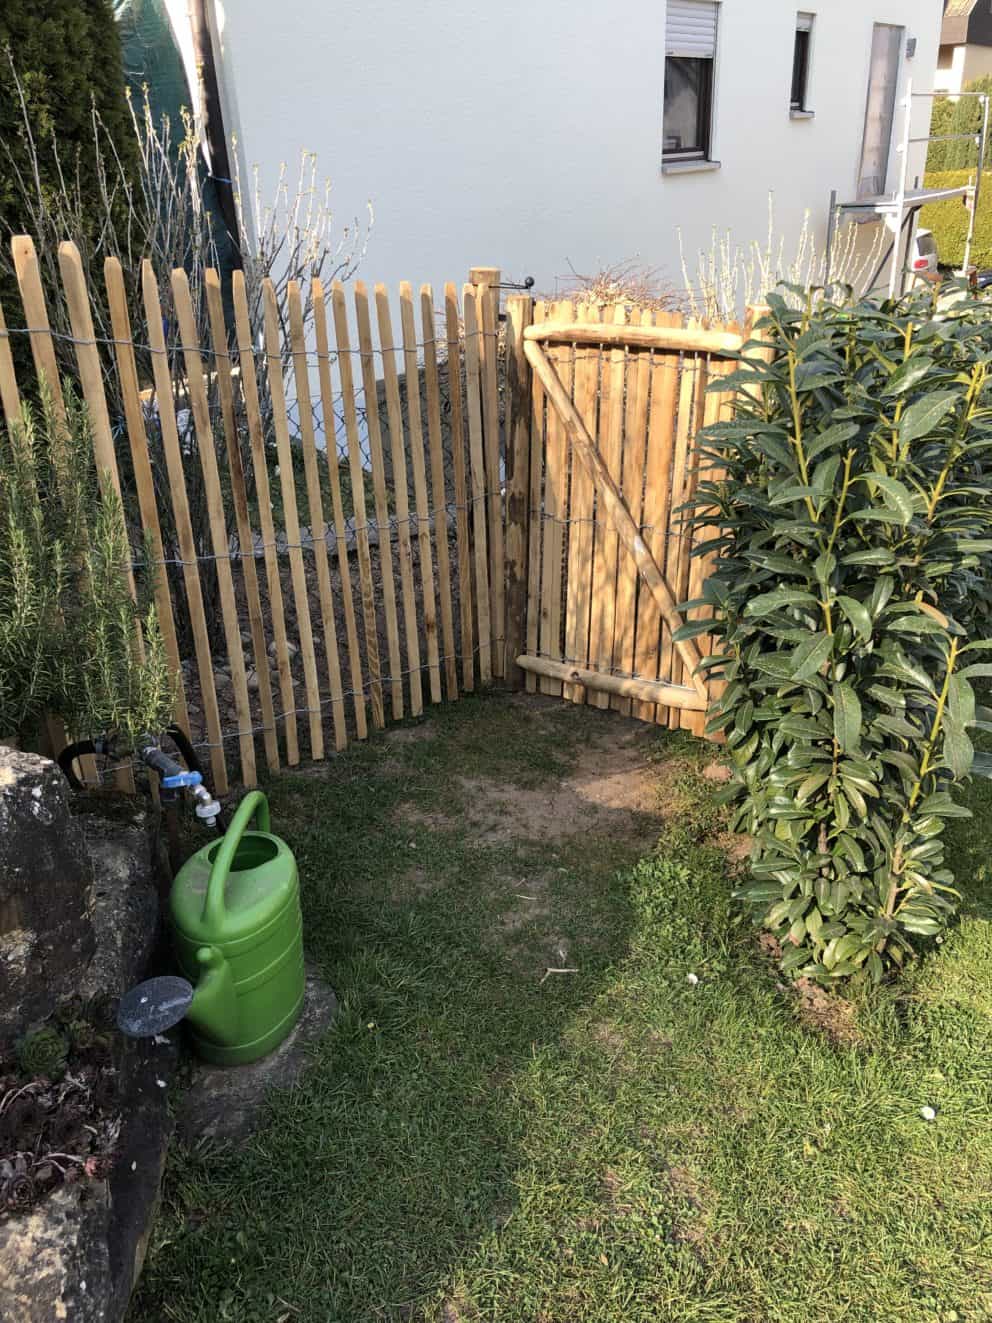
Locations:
{"points": [[901, 210]]}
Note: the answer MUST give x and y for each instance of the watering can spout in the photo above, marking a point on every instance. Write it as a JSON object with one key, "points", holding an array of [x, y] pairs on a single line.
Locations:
{"points": [[214, 1008]]}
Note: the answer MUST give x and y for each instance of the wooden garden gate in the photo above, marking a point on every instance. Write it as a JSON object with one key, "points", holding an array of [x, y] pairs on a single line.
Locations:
{"points": [[614, 409]]}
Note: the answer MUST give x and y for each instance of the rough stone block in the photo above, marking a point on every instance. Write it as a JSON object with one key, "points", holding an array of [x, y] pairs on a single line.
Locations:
{"points": [[46, 929]]}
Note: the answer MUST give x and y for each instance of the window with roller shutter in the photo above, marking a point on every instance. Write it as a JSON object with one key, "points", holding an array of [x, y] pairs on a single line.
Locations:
{"points": [[690, 54]]}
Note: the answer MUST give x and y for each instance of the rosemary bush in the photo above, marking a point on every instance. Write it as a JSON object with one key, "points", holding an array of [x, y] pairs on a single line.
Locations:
{"points": [[68, 641], [855, 504]]}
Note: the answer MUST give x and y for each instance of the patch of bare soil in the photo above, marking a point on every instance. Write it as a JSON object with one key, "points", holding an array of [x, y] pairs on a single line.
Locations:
{"points": [[827, 1013], [612, 790]]}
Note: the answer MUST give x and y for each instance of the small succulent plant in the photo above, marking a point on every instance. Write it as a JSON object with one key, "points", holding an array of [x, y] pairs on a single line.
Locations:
{"points": [[43, 1054]]}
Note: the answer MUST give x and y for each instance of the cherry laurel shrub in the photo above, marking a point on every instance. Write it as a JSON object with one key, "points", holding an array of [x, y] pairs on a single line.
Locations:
{"points": [[854, 493]]}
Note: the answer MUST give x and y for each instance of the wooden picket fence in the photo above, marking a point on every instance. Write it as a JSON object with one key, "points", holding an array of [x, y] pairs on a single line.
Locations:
{"points": [[478, 506]]}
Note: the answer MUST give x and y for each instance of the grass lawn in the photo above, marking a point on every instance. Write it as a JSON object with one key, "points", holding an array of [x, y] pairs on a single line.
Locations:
{"points": [[480, 1140]]}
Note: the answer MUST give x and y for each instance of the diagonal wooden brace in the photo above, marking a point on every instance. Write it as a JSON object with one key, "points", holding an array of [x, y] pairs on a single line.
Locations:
{"points": [[628, 532]]}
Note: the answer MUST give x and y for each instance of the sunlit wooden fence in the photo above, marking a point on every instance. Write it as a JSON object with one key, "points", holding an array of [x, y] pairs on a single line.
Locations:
{"points": [[361, 505]]}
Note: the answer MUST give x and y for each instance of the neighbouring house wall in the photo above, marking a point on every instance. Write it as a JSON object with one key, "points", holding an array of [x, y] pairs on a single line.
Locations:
{"points": [[960, 65], [529, 135], [977, 62], [950, 75]]}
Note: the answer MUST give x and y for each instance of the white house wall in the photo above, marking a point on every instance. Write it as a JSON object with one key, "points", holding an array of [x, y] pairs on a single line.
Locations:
{"points": [[528, 135]]}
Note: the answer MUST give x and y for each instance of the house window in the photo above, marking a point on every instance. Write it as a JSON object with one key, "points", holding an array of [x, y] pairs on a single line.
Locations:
{"points": [[800, 61], [690, 50]]}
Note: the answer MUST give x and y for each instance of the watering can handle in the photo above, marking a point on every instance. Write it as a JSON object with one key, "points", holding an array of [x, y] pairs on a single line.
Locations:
{"points": [[254, 805]]}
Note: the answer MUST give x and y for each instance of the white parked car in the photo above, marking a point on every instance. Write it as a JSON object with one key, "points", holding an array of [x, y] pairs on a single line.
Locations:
{"points": [[923, 258]]}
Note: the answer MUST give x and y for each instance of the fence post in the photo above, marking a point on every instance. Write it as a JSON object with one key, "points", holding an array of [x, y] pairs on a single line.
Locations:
{"points": [[485, 280], [520, 313]]}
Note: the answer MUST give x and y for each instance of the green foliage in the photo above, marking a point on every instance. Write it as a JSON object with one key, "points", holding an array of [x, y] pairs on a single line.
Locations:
{"points": [[949, 219], [68, 57], [952, 116], [849, 598], [68, 642], [43, 1054]]}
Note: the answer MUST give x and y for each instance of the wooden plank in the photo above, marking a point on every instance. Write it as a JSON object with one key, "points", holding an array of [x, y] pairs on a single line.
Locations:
{"points": [[10, 399], [686, 476], [487, 304], [184, 529], [634, 450], [411, 373], [383, 521], [46, 370], [602, 624], [620, 686], [470, 309], [270, 551], [287, 486], [196, 386], [580, 531], [36, 316], [105, 457], [439, 495], [462, 526], [236, 472], [656, 512], [401, 497], [690, 340], [534, 498], [714, 409], [315, 505], [614, 508], [520, 310], [337, 506], [357, 475], [134, 418], [555, 513], [671, 663]]}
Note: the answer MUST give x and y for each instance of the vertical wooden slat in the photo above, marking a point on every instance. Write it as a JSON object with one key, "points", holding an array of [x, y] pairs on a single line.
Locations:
{"points": [[635, 444], [357, 475], [197, 388], [337, 506], [462, 527], [714, 410], [318, 524], [270, 551], [184, 528], [487, 306], [439, 495], [555, 510], [520, 311], [655, 515], [401, 497], [381, 504], [36, 314], [46, 369], [580, 532], [472, 391], [287, 485], [91, 381], [411, 373], [606, 551], [534, 486], [692, 395], [235, 468], [10, 400], [127, 376]]}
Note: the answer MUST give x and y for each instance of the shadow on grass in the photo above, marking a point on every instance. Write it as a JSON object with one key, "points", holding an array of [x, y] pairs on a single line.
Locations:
{"points": [[398, 1150]]}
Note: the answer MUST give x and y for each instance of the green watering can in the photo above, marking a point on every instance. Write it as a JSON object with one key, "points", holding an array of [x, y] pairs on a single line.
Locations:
{"points": [[237, 932]]}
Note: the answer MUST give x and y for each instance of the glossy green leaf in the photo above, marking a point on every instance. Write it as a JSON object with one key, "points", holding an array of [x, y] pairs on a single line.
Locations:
{"points": [[847, 718]]}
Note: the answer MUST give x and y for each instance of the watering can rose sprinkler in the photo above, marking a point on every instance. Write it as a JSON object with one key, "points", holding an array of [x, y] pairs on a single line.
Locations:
{"points": [[237, 931]]}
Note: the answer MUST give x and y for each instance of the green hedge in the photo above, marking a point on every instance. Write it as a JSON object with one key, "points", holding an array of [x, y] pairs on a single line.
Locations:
{"points": [[949, 219]]}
